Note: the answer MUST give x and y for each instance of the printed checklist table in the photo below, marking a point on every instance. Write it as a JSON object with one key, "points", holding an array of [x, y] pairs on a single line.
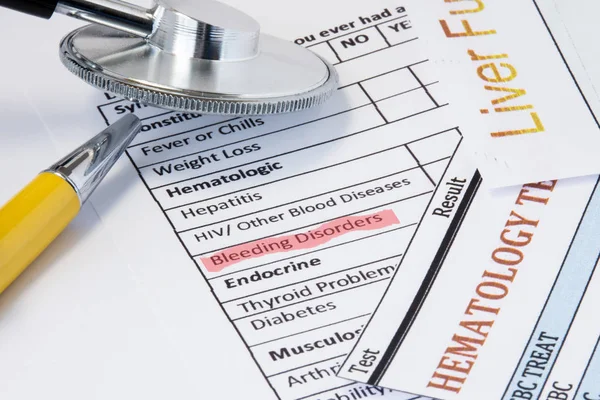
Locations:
{"points": [[299, 221]]}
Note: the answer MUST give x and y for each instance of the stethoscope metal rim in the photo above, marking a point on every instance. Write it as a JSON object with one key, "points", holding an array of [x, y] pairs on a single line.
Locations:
{"points": [[284, 77]]}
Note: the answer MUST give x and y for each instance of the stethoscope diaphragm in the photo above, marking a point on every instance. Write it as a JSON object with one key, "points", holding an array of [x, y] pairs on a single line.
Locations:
{"points": [[190, 55]]}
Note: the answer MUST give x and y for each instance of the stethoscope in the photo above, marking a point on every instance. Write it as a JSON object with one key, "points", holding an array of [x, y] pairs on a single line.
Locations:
{"points": [[187, 55]]}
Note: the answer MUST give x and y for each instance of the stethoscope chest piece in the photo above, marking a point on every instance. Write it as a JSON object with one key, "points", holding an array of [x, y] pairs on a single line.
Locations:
{"points": [[188, 55]]}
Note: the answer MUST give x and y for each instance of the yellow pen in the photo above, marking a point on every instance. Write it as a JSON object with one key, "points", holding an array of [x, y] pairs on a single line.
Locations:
{"points": [[34, 217]]}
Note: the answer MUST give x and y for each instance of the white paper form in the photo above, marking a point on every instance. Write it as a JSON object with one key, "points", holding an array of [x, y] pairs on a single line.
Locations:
{"points": [[297, 222], [506, 308], [522, 89], [510, 314], [294, 224]]}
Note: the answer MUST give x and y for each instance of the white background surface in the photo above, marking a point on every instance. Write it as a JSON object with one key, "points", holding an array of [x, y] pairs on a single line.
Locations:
{"points": [[63, 335], [78, 323]]}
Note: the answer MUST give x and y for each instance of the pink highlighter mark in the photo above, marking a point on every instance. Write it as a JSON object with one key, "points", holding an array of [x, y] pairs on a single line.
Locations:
{"points": [[305, 240]]}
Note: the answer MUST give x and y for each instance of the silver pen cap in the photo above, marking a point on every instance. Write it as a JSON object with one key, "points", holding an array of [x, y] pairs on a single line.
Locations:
{"points": [[85, 167]]}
